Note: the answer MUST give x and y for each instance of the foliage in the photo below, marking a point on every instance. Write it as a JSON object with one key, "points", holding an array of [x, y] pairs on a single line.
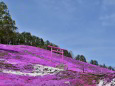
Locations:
{"points": [[81, 58], [94, 62], [7, 25]]}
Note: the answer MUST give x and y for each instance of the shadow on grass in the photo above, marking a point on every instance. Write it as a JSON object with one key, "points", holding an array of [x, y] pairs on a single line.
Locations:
{"points": [[10, 51], [8, 66]]}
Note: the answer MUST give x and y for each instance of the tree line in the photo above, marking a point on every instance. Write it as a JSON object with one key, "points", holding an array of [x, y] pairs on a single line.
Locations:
{"points": [[94, 62]]}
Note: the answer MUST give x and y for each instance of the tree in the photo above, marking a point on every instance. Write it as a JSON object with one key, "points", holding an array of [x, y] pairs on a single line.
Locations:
{"points": [[110, 68], [91, 62], [47, 42], [15, 38], [101, 65], [26, 36], [94, 62], [7, 25], [77, 57], [113, 69], [81, 58], [104, 66], [68, 54], [41, 42], [72, 55], [35, 41]]}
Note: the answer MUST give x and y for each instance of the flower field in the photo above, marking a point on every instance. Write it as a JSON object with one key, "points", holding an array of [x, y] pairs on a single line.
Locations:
{"points": [[22, 65]]}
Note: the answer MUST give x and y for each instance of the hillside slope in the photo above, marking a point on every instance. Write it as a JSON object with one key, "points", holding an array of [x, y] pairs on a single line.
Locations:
{"points": [[23, 65]]}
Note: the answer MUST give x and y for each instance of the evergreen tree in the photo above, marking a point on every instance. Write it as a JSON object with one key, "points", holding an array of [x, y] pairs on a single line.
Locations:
{"points": [[35, 41], [7, 25], [69, 55], [94, 62], [72, 55], [41, 42], [113, 69], [81, 58], [110, 68], [77, 57], [16, 40], [104, 66], [27, 38], [91, 62], [47, 42], [101, 65]]}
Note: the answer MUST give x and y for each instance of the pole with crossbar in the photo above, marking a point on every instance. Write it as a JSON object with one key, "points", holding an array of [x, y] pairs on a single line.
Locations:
{"points": [[51, 54], [61, 51], [62, 56]]}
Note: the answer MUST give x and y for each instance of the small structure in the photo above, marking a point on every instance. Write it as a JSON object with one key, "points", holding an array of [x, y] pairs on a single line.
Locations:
{"points": [[56, 49]]}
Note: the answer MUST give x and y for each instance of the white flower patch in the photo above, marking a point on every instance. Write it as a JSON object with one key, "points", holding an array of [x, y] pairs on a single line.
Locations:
{"points": [[46, 69], [39, 70], [104, 83], [2, 60], [11, 62]]}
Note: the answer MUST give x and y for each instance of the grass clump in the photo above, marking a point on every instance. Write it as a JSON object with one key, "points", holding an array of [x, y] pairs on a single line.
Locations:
{"points": [[3, 54], [4, 65], [28, 67]]}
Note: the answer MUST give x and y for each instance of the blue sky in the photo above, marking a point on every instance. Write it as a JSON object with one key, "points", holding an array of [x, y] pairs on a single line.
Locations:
{"points": [[83, 26]]}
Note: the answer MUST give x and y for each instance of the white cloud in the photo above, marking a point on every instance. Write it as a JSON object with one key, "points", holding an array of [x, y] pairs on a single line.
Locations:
{"points": [[108, 20], [109, 2], [80, 1], [107, 14], [106, 17]]}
